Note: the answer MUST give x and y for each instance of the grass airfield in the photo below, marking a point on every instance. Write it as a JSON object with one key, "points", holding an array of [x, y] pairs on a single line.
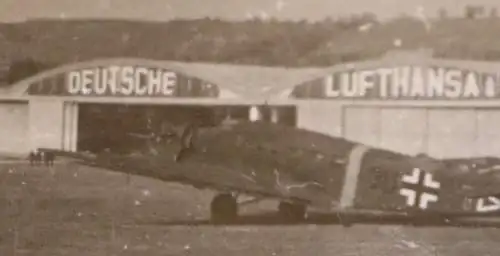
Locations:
{"points": [[73, 210]]}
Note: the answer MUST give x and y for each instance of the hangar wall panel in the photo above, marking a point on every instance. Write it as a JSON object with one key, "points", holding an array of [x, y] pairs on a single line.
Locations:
{"points": [[403, 129], [452, 132], [320, 116], [362, 125], [46, 123], [14, 135], [439, 132], [488, 132]]}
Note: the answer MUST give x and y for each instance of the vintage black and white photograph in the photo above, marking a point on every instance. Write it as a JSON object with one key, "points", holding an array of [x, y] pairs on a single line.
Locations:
{"points": [[250, 127]]}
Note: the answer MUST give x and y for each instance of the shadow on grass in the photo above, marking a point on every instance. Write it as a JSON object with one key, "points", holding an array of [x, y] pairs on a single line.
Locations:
{"points": [[271, 219]]}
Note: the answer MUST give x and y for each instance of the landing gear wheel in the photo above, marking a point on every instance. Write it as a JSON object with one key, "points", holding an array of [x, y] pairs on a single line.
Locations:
{"points": [[223, 209], [290, 212], [344, 220]]}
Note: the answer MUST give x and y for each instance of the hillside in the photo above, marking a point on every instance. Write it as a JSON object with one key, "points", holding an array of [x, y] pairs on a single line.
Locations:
{"points": [[268, 43]]}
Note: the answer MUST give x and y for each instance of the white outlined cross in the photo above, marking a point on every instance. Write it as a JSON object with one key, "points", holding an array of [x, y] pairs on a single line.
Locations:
{"points": [[421, 190], [488, 204]]}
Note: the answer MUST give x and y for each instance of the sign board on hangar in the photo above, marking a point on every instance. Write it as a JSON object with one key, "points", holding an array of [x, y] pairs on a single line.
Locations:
{"points": [[124, 81], [403, 83]]}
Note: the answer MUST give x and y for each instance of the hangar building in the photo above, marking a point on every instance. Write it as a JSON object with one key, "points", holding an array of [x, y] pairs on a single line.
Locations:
{"points": [[404, 101], [98, 100]]}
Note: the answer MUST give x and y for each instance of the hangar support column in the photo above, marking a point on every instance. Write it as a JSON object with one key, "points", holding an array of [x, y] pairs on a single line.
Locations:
{"points": [[257, 113], [275, 118], [254, 114], [70, 126]]}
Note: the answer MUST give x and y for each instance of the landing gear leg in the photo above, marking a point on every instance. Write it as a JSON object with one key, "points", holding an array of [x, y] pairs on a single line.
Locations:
{"points": [[290, 212], [223, 209], [344, 220]]}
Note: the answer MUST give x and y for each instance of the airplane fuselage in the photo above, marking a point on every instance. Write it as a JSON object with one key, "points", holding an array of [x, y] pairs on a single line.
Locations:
{"points": [[298, 166]]}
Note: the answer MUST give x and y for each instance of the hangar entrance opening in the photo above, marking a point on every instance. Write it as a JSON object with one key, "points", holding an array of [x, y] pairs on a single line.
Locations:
{"points": [[108, 126]]}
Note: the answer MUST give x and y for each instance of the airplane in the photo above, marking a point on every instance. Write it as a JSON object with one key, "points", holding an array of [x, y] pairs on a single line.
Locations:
{"points": [[306, 171]]}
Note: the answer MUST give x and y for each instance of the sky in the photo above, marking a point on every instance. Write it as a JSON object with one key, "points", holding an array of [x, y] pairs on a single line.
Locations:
{"points": [[161, 10]]}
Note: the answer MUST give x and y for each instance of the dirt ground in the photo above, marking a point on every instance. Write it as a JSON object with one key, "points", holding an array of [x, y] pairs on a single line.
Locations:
{"points": [[71, 210]]}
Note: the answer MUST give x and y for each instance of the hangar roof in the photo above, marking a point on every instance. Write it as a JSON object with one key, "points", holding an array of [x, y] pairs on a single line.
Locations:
{"points": [[253, 82], [246, 81]]}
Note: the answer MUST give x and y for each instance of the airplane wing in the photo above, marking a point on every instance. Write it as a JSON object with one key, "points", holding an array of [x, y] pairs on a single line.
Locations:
{"points": [[202, 175]]}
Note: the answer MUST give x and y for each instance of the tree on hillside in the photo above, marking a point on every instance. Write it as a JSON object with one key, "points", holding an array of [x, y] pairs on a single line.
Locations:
{"points": [[494, 12], [21, 69], [253, 41], [473, 11], [443, 14]]}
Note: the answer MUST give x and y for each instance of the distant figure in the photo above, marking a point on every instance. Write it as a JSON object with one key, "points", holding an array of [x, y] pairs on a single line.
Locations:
{"points": [[49, 158], [32, 158], [40, 157], [37, 158]]}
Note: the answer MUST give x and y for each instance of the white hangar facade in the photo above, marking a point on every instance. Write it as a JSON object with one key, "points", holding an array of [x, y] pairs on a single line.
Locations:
{"points": [[403, 101]]}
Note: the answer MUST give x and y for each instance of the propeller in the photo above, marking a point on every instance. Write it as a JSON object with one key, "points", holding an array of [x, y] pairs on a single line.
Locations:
{"points": [[166, 131], [185, 137], [141, 135]]}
